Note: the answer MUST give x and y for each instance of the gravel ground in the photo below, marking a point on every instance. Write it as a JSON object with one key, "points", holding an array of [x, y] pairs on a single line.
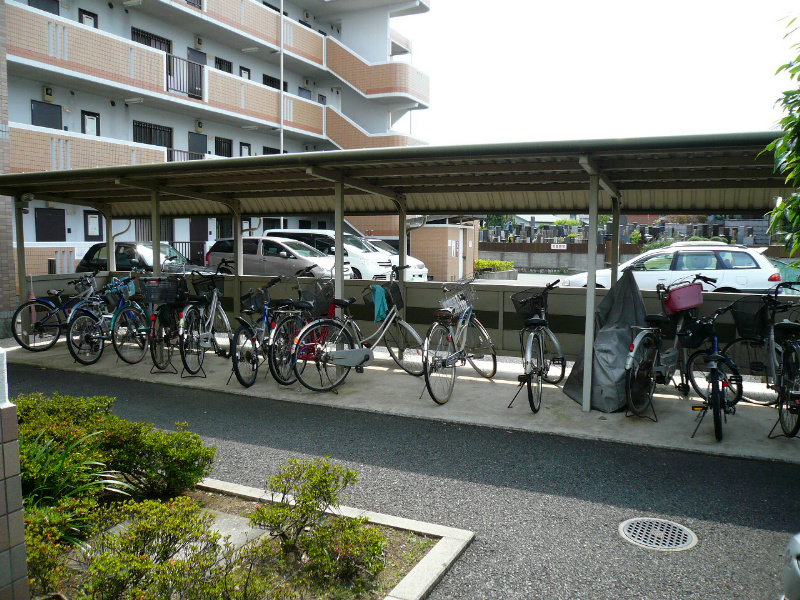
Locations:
{"points": [[545, 509]]}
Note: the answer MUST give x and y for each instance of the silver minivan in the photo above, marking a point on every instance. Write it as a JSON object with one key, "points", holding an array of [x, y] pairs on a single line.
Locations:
{"points": [[274, 256]]}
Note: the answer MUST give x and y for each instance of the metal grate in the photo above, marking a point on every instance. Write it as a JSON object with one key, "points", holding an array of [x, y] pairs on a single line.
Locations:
{"points": [[657, 534]]}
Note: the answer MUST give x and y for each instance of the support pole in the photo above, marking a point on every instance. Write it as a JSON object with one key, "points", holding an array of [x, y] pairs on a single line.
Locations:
{"points": [[155, 225], [591, 282], [338, 224], [22, 282], [615, 239], [110, 245], [237, 250], [402, 246]]}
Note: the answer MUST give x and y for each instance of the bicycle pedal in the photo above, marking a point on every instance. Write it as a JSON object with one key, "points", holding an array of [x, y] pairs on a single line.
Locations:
{"points": [[359, 369], [699, 407]]}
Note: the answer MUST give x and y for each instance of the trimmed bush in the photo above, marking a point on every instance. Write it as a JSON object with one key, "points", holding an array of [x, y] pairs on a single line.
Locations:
{"points": [[493, 265]]}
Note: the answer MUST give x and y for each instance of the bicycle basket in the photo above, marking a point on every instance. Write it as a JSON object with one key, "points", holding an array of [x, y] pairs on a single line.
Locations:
{"points": [[684, 298], [394, 296], [751, 317], [530, 303], [695, 333], [460, 296], [254, 302], [204, 285], [127, 290], [84, 283], [165, 290], [320, 294]]}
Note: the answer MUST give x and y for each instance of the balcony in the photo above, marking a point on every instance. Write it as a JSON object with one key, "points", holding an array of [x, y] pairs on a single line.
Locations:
{"points": [[347, 135]]}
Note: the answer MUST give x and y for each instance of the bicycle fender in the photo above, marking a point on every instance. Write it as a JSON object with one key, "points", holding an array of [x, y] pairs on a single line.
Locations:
{"points": [[352, 357], [637, 340], [243, 321], [49, 303], [83, 311]]}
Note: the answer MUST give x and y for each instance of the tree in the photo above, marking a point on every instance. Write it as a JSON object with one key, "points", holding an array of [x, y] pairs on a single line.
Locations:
{"points": [[785, 217], [499, 220]]}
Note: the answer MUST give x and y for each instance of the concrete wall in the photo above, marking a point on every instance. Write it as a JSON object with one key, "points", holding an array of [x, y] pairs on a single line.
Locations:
{"points": [[541, 258]]}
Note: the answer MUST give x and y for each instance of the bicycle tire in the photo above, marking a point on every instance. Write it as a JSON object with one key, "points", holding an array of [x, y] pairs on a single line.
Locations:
{"points": [[31, 323], [245, 355], [130, 333], [313, 367], [716, 401], [480, 350], [164, 330], [85, 338], [697, 374], [192, 351], [222, 333], [535, 369], [281, 363], [405, 347], [751, 356], [437, 349], [640, 381], [789, 407], [554, 365]]}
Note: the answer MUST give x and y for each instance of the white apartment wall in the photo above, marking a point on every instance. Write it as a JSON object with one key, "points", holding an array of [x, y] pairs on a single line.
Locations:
{"points": [[366, 32], [372, 117]]}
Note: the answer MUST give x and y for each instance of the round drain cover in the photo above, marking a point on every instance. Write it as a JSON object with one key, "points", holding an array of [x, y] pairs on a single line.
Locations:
{"points": [[657, 534]]}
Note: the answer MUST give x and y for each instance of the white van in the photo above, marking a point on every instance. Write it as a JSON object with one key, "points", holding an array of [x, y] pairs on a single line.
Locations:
{"points": [[416, 271], [365, 261]]}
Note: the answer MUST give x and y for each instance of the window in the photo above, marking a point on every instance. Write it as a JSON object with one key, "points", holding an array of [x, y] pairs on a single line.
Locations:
{"points": [[304, 224], [51, 225], [144, 229], [50, 6], [225, 228], [249, 245], [87, 18], [269, 248], [658, 262], [90, 123], [92, 226], [322, 225], [304, 93], [223, 65], [322, 99], [124, 255], [149, 133], [244, 72], [696, 261], [274, 82], [45, 114], [150, 39], [223, 147], [275, 8], [270, 150], [737, 260], [245, 149], [223, 246]]}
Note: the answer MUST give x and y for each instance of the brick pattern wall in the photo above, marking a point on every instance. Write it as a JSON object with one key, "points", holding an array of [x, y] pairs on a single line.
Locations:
{"points": [[378, 225], [246, 15], [304, 42], [36, 259], [57, 42], [43, 149], [242, 96], [342, 132], [8, 297], [302, 114], [433, 246]]}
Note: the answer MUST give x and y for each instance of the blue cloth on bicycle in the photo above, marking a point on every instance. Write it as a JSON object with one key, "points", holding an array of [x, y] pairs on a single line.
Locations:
{"points": [[379, 299]]}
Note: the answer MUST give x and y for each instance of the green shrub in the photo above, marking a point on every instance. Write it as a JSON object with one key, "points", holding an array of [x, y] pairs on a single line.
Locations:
{"points": [[493, 265], [158, 464], [73, 410], [636, 236], [659, 243], [314, 486], [346, 551]]}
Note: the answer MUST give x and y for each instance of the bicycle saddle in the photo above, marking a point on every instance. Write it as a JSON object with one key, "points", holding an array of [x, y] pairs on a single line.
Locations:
{"points": [[535, 322], [788, 327], [343, 303], [443, 313], [54, 292], [658, 319]]}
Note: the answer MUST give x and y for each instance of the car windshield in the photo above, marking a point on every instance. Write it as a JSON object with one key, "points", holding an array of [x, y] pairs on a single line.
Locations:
{"points": [[167, 252], [356, 243], [302, 249], [382, 246]]}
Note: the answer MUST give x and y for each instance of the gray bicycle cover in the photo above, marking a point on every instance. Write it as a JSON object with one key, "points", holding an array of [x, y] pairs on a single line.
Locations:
{"points": [[617, 312]]}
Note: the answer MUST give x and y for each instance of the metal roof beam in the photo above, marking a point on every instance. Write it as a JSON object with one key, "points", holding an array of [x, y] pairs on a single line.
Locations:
{"points": [[592, 169], [231, 203], [336, 177]]}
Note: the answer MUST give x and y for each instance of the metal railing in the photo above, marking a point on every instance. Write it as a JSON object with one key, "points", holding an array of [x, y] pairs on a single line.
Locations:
{"points": [[184, 76], [174, 155], [195, 3]]}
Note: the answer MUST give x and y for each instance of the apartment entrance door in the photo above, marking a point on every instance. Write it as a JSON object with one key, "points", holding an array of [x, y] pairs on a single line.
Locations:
{"points": [[198, 145], [198, 236], [194, 75]]}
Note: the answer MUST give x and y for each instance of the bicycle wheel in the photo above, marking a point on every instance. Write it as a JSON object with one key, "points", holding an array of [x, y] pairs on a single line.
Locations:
{"points": [[164, 330], [640, 381], [85, 338], [192, 350], [716, 400], [405, 347], [222, 333], [535, 371], [789, 407], [281, 362], [752, 358], [36, 325], [130, 333], [480, 350], [440, 375], [554, 363], [313, 366], [697, 374], [245, 354]]}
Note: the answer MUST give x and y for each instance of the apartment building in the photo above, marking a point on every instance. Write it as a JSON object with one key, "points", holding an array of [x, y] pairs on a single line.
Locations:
{"points": [[93, 83]]}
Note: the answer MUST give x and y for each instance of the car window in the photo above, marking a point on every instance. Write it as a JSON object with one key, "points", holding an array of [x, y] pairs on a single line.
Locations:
{"points": [[696, 261], [223, 246], [302, 249], [381, 245], [656, 262], [124, 255], [100, 256], [269, 248], [357, 243], [737, 260], [249, 246]]}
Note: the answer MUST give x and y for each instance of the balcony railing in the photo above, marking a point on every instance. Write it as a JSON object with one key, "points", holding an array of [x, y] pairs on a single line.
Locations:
{"points": [[184, 76], [174, 155]]}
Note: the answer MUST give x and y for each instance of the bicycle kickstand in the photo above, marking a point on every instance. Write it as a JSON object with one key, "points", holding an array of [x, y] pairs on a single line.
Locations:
{"points": [[522, 380]]}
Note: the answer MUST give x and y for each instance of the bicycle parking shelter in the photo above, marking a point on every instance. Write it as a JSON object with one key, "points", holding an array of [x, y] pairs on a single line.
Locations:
{"points": [[705, 174]]}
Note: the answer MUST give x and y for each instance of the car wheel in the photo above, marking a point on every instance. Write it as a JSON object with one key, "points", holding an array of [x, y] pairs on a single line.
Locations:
{"points": [[726, 291], [357, 274], [597, 286]]}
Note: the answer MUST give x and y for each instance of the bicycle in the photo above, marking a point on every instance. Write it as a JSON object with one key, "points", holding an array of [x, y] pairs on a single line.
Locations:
{"points": [[723, 382], [326, 349], [646, 364], [37, 323], [171, 295], [204, 323], [455, 338], [542, 357]]}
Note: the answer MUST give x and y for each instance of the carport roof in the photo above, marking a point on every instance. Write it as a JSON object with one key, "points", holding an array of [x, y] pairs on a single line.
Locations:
{"points": [[686, 174]]}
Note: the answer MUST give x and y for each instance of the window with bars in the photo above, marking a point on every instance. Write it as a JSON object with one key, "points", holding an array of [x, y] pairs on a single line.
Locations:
{"points": [[223, 147], [274, 82], [271, 150], [150, 133], [150, 39], [223, 65], [144, 229], [224, 228]]}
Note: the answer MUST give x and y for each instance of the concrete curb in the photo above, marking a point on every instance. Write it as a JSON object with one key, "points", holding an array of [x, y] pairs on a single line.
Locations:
{"points": [[422, 578]]}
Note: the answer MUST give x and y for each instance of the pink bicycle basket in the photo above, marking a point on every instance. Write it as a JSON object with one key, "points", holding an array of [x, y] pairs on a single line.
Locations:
{"points": [[684, 298]]}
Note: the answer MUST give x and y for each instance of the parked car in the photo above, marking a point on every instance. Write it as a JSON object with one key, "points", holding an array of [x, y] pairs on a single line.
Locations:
{"points": [[366, 262], [274, 256], [736, 268], [135, 255], [416, 271]]}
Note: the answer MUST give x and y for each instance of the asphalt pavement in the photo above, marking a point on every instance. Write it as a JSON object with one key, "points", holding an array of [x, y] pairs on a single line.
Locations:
{"points": [[544, 494]]}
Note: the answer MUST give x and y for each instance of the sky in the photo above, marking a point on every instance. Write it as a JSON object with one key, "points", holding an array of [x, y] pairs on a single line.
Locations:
{"points": [[528, 70]]}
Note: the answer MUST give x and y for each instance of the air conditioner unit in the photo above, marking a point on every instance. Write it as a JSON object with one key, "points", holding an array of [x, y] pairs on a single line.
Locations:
{"points": [[47, 93], [307, 83], [198, 42], [198, 126]]}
